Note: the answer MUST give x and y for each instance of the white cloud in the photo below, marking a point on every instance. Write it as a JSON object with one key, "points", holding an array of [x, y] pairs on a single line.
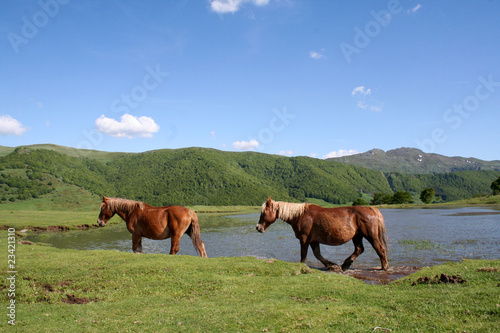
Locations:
{"points": [[232, 6], [415, 9], [361, 90], [365, 101], [212, 134], [128, 127], [362, 105], [340, 153], [316, 55], [376, 108], [246, 145], [11, 126]]}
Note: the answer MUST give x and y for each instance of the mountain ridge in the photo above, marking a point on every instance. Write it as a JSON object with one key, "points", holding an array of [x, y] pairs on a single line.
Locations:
{"points": [[413, 160]]}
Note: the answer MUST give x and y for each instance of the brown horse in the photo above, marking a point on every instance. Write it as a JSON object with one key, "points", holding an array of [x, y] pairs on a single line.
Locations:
{"points": [[314, 225], [143, 220]]}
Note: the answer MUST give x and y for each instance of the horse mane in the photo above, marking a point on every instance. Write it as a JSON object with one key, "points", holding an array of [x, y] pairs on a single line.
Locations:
{"points": [[287, 211], [123, 205]]}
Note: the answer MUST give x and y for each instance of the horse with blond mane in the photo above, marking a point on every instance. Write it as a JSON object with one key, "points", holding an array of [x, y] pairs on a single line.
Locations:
{"points": [[314, 225], [143, 220]]}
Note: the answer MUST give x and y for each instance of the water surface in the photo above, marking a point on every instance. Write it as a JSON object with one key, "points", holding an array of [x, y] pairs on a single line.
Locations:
{"points": [[417, 237]]}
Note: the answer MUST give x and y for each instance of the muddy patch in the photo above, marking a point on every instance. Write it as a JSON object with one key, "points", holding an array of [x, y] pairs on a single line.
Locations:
{"points": [[71, 299], [443, 278], [54, 228], [48, 292], [488, 269], [378, 276]]}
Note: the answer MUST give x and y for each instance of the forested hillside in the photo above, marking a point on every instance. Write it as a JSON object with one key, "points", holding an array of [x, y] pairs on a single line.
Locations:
{"points": [[199, 176]]}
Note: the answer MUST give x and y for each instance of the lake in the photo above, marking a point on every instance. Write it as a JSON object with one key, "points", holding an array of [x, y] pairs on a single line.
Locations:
{"points": [[417, 237]]}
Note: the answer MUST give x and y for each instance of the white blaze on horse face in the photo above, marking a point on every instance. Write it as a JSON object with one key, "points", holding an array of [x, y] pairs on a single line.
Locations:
{"points": [[267, 216], [105, 215], [259, 226], [264, 222]]}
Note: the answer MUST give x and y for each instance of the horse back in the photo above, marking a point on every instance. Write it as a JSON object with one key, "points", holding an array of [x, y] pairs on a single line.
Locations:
{"points": [[161, 222], [367, 220], [343, 222]]}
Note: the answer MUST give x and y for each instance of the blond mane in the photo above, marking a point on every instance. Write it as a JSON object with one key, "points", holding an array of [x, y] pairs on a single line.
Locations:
{"points": [[287, 211], [123, 205]]}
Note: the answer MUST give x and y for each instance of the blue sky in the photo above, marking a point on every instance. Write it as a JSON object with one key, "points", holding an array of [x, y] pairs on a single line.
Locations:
{"points": [[312, 78]]}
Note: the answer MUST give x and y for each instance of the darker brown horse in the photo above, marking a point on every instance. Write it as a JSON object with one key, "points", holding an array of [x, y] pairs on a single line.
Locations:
{"points": [[314, 225], [143, 220]]}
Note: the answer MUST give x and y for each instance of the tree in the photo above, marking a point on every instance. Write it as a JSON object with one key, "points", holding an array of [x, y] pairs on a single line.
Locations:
{"points": [[359, 202], [427, 195], [402, 197], [495, 186], [381, 198]]}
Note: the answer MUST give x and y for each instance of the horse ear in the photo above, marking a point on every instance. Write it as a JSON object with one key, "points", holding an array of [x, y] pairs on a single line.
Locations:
{"points": [[269, 201], [104, 199]]}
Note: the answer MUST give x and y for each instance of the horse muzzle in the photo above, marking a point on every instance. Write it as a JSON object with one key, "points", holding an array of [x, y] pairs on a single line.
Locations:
{"points": [[260, 228], [101, 223]]}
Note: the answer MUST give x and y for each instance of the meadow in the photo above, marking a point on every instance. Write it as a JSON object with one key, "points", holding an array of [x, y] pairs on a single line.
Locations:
{"points": [[70, 290], [103, 290]]}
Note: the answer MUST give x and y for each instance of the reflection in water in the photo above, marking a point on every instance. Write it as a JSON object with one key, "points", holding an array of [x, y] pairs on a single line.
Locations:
{"points": [[417, 237]]}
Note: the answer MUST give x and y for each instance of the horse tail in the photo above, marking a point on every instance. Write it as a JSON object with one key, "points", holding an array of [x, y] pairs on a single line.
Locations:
{"points": [[195, 234], [382, 238], [382, 233]]}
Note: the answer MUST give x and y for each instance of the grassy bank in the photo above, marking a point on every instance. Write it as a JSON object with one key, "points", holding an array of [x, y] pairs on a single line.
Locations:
{"points": [[491, 201], [69, 290]]}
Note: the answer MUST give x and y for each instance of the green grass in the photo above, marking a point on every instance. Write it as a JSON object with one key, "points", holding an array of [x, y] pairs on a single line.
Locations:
{"points": [[480, 201], [65, 220], [156, 292], [225, 209], [68, 207], [424, 244], [492, 201], [320, 202]]}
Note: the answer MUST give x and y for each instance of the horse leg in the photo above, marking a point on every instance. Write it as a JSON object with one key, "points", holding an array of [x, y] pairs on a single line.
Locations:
{"points": [[174, 247], [136, 243], [303, 250], [381, 251], [358, 249], [317, 253]]}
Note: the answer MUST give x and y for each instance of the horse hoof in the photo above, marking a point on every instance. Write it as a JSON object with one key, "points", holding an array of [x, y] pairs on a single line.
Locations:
{"points": [[334, 268]]}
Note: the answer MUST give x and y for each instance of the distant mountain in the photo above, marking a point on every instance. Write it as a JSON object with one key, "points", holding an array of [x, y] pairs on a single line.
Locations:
{"points": [[411, 160]]}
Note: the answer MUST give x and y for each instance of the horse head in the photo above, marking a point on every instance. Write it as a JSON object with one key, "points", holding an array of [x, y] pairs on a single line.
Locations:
{"points": [[106, 212], [268, 215]]}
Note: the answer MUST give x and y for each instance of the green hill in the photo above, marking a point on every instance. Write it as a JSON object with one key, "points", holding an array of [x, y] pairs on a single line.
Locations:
{"points": [[74, 152], [200, 176]]}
